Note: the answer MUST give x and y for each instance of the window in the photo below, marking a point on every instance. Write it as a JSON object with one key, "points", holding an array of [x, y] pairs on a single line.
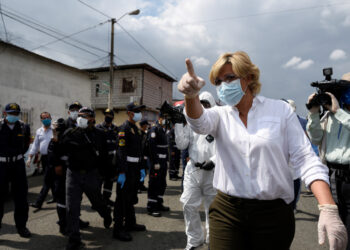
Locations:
{"points": [[97, 89], [128, 86]]}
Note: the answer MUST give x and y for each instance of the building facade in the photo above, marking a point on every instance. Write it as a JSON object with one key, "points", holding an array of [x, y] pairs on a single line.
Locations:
{"points": [[40, 84], [139, 83]]}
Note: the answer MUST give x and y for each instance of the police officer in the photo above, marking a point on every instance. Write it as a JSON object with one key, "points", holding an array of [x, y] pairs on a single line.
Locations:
{"points": [[14, 142], [158, 144], [174, 156], [73, 111], [108, 172], [144, 125], [86, 149], [58, 161], [130, 173]]}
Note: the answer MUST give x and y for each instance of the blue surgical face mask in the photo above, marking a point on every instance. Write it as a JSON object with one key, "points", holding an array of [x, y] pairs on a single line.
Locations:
{"points": [[137, 117], [46, 122], [230, 93], [12, 118]]}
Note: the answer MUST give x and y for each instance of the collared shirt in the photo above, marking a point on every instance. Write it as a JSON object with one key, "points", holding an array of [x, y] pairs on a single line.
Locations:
{"points": [[252, 162], [337, 135], [41, 141]]}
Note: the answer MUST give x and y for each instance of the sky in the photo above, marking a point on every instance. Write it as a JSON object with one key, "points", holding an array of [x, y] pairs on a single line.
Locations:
{"points": [[290, 41]]}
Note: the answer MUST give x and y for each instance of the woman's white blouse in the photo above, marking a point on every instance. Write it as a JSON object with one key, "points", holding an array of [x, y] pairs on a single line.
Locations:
{"points": [[252, 161]]}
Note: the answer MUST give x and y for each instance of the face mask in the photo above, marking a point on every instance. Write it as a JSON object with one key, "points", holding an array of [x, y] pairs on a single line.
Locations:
{"points": [[12, 118], [46, 122], [137, 117], [108, 119], [82, 122], [230, 93], [73, 115], [163, 122]]}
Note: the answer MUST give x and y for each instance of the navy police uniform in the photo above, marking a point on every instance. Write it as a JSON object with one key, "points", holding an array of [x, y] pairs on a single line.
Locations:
{"points": [[174, 156], [130, 156], [14, 142], [109, 171], [85, 148], [158, 144]]}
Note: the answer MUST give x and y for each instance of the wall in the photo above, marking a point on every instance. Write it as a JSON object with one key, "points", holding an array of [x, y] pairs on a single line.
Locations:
{"points": [[120, 100], [156, 90], [38, 84]]}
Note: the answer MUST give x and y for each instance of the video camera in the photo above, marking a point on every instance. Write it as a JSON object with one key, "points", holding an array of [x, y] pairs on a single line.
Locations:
{"points": [[174, 114], [334, 86]]}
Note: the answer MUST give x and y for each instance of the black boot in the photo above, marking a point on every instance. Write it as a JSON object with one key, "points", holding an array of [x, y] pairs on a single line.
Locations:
{"points": [[136, 227], [74, 245], [83, 224], [121, 234], [24, 232]]}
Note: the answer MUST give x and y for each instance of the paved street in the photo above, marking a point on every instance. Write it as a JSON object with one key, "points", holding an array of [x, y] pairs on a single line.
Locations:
{"points": [[162, 233]]}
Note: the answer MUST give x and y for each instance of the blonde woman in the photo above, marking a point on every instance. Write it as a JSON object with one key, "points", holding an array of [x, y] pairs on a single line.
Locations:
{"points": [[256, 137]]}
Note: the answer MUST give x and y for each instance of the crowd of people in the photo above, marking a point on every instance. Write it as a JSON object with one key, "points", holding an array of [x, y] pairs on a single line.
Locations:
{"points": [[244, 160]]}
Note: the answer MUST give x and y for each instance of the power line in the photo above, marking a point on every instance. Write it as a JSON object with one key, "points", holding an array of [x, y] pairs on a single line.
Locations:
{"points": [[42, 31], [3, 22], [120, 59], [149, 53], [95, 61], [51, 29], [68, 36], [95, 9], [262, 14]]}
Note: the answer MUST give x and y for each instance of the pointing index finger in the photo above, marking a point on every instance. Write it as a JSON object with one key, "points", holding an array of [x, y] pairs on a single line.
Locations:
{"points": [[190, 68]]}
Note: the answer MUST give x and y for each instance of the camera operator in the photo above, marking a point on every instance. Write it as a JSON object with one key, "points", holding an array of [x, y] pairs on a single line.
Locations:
{"points": [[332, 134]]}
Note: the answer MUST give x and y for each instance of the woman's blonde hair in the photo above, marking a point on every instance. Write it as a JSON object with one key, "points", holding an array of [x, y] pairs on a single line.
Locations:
{"points": [[242, 66]]}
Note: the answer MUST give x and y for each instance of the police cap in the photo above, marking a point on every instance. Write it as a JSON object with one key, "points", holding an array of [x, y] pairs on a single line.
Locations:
{"points": [[12, 108], [76, 105], [87, 111], [108, 112], [134, 107]]}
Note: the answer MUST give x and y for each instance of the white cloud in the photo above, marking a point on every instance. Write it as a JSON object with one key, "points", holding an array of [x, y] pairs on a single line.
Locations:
{"points": [[337, 54], [297, 63], [305, 64], [292, 62], [200, 61]]}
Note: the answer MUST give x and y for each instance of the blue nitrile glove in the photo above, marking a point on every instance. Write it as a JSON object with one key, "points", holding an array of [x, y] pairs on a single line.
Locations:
{"points": [[121, 180], [143, 175]]}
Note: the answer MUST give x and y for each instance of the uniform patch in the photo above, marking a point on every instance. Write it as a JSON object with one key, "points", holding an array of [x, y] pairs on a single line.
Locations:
{"points": [[20, 135], [153, 135], [121, 142], [121, 134]]}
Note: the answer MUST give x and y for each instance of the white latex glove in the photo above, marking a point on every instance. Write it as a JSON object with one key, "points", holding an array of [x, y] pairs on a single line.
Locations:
{"points": [[190, 84], [330, 223], [335, 104], [156, 166], [314, 109], [28, 162]]}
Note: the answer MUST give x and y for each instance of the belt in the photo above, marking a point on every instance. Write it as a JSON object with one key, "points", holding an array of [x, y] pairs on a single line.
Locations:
{"points": [[11, 158], [132, 159], [338, 166], [112, 152], [161, 156], [162, 146]]}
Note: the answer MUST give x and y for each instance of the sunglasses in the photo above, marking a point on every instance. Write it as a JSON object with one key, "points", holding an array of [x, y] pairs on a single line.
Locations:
{"points": [[227, 78]]}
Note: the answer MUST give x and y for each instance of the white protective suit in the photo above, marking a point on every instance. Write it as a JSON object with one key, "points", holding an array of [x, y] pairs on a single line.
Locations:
{"points": [[198, 183]]}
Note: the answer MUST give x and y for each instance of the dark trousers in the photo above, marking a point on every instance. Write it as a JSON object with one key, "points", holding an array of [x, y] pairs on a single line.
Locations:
{"points": [[174, 163], [14, 173], [297, 187], [60, 184], [124, 211], [108, 174], [156, 186], [49, 181], [78, 182], [247, 224], [343, 194]]}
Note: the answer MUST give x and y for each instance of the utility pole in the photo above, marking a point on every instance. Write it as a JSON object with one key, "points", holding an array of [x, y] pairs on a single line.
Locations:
{"points": [[111, 67]]}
